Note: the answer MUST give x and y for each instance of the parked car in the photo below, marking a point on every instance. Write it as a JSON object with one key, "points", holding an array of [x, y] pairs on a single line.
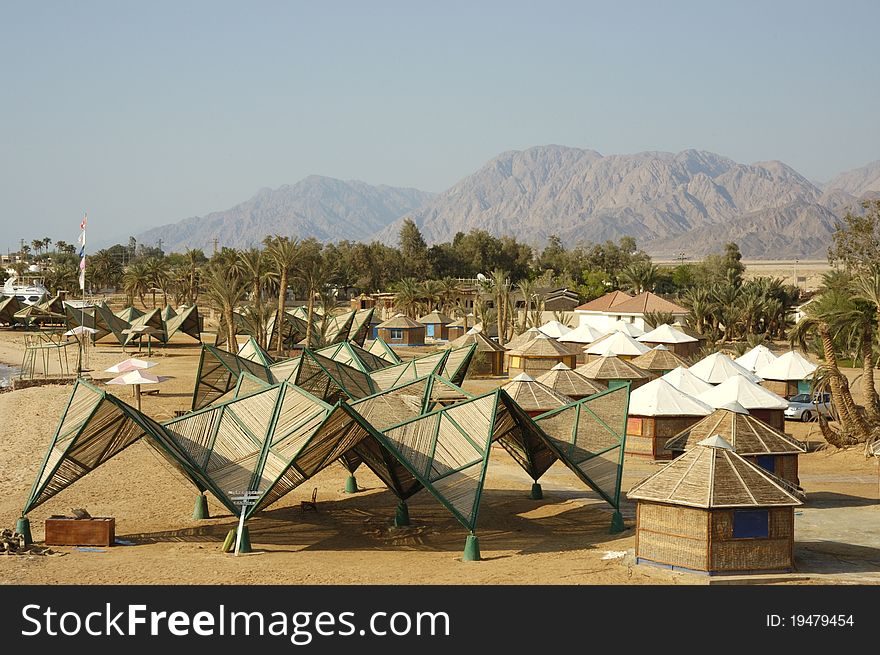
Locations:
{"points": [[803, 407]]}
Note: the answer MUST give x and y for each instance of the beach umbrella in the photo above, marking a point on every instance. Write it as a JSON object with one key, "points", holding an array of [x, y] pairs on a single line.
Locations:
{"points": [[78, 330], [136, 378], [130, 364]]}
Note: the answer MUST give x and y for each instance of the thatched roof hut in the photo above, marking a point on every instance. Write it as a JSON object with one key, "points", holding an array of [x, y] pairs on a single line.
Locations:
{"points": [[540, 355], [659, 360], [750, 437], [401, 330], [717, 367], [568, 382], [533, 397], [658, 411], [435, 325], [457, 328], [713, 511], [755, 358], [489, 357], [614, 372], [759, 401], [522, 339], [788, 374], [677, 341]]}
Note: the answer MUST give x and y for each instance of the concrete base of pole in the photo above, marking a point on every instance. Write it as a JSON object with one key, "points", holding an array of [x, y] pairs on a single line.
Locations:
{"points": [[200, 511], [537, 493], [401, 519], [471, 549], [351, 485], [23, 527]]}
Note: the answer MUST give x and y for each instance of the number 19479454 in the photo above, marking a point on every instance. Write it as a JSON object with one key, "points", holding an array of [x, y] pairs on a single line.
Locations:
{"points": [[810, 620]]}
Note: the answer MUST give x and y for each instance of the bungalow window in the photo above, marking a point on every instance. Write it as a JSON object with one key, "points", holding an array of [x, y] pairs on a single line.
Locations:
{"points": [[396, 334], [751, 523], [767, 462]]}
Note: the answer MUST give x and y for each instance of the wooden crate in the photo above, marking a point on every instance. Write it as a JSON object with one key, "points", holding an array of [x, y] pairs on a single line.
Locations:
{"points": [[96, 531]]}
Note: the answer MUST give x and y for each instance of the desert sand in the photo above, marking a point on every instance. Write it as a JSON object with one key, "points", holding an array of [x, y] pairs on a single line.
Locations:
{"points": [[562, 539]]}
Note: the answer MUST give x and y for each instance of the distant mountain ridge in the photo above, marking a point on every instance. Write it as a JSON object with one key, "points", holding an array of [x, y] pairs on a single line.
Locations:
{"points": [[692, 201], [321, 207]]}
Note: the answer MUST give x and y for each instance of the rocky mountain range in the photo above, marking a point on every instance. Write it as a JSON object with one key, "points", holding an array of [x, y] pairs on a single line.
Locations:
{"points": [[321, 207], [692, 201]]}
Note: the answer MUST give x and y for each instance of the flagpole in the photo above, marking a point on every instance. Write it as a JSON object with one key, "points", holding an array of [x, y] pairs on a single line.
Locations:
{"points": [[82, 280]]}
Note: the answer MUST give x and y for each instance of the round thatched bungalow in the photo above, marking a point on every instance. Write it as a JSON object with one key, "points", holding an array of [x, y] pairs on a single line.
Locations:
{"points": [[750, 437], [756, 358], [659, 360], [456, 329], [435, 325], [488, 359], [682, 379], [713, 511], [524, 338], [401, 330], [533, 397], [760, 402], [658, 411], [540, 355], [568, 382], [614, 372], [675, 340], [718, 367], [788, 374], [617, 343]]}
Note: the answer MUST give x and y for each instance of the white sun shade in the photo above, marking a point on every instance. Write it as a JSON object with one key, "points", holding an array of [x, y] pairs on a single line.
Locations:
{"points": [[742, 390], [659, 398], [618, 343], [757, 357], [138, 377], [131, 364], [718, 367], [554, 329], [790, 366], [581, 334], [666, 334], [682, 379], [630, 328]]}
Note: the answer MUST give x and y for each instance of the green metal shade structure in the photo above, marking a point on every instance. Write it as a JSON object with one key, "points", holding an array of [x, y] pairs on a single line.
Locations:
{"points": [[8, 307], [383, 350], [218, 373], [360, 326]]}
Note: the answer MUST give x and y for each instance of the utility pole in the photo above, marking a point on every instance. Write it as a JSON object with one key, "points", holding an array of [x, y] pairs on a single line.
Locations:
{"points": [[160, 247], [215, 245]]}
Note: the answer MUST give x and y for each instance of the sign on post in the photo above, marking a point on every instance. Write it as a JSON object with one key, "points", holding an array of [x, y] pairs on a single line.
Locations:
{"points": [[245, 499]]}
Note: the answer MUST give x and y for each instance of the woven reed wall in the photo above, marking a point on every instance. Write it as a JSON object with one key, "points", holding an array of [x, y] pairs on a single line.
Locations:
{"points": [[486, 364], [672, 535], [783, 387], [772, 553], [647, 435], [772, 417], [455, 331]]}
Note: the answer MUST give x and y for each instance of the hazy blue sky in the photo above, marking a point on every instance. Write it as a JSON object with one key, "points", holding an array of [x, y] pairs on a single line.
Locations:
{"points": [[146, 113]]}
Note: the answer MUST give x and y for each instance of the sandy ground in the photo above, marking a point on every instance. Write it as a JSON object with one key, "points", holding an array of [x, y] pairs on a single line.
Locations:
{"points": [[559, 540]]}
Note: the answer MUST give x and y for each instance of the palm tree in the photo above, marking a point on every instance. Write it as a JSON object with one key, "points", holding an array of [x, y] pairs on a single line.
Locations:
{"points": [[193, 257], [136, 281], [46, 242], [639, 277], [450, 291], [432, 294], [501, 288], [38, 246], [159, 271], [283, 253], [819, 319], [253, 266], [527, 291], [408, 296], [315, 273], [225, 292], [701, 305]]}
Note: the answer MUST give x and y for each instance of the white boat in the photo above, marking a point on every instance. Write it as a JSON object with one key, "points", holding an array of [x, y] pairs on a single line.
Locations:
{"points": [[29, 292]]}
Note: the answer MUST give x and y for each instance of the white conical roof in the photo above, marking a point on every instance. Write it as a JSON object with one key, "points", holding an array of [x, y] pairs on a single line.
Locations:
{"points": [[554, 329], [581, 334], [659, 398], [742, 390], [682, 379], [619, 343], [523, 377], [666, 334], [630, 328], [790, 366], [757, 357], [718, 367]]}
